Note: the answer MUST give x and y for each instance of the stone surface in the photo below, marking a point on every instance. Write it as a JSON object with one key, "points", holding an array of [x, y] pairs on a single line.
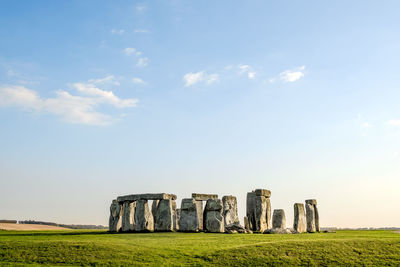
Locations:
{"points": [[263, 192], [278, 231], [213, 216], [235, 228], [115, 221], [310, 216], [299, 222], [230, 210], [311, 201], [260, 214], [164, 216], [128, 216], [204, 197], [268, 219], [316, 214], [279, 219], [246, 223], [144, 221], [250, 209], [189, 220], [136, 197]]}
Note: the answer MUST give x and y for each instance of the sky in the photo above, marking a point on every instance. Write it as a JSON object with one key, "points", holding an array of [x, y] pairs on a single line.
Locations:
{"points": [[105, 98]]}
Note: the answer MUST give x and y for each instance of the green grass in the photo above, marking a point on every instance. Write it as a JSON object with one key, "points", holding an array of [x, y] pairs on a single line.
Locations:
{"points": [[100, 248]]}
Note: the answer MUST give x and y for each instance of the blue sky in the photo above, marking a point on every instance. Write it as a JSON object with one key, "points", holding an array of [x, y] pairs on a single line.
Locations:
{"points": [[105, 98]]}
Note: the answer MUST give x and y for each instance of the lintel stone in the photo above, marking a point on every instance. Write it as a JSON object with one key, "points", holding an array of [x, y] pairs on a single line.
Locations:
{"points": [[204, 197], [136, 197], [263, 192]]}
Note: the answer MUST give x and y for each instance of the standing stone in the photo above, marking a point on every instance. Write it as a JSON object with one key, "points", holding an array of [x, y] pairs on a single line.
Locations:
{"points": [[213, 216], [268, 218], [177, 216], [189, 219], [310, 214], [199, 207], [164, 215], [246, 223], [316, 218], [115, 221], [250, 210], [144, 221], [260, 213], [299, 223], [128, 216], [279, 219], [230, 210], [154, 207]]}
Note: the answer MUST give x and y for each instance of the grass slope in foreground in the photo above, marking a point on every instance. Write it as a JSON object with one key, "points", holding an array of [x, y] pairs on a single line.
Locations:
{"points": [[99, 247]]}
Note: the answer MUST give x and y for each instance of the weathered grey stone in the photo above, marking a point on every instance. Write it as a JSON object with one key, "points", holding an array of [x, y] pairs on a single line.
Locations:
{"points": [[189, 220], [279, 219], [177, 216], [199, 207], [164, 216], [204, 197], [230, 210], [154, 207], [311, 201], [213, 216], [263, 192], [136, 197], [234, 228], [316, 214], [144, 221], [250, 210], [260, 214], [268, 218], [128, 216], [299, 222], [310, 215], [115, 221]]}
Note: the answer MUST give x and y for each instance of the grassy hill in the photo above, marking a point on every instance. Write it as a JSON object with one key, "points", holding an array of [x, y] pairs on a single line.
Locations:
{"points": [[99, 247]]}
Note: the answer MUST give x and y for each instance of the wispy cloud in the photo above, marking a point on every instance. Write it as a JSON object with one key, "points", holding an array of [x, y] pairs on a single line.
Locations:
{"points": [[71, 108], [201, 76], [248, 70], [108, 79], [141, 31], [116, 31], [131, 51], [291, 75], [142, 62], [137, 80]]}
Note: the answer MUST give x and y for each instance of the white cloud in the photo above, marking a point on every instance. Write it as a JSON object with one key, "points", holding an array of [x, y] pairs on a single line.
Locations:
{"points": [[72, 108], [120, 31], [141, 31], [142, 62], [131, 51], [201, 76], [108, 79], [292, 75], [367, 125], [248, 70], [394, 122], [137, 80]]}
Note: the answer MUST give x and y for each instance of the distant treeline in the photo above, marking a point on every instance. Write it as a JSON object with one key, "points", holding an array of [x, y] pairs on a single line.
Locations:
{"points": [[8, 221], [71, 226]]}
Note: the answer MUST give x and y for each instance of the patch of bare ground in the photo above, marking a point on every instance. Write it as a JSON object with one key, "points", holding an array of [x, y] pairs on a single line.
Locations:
{"points": [[29, 227]]}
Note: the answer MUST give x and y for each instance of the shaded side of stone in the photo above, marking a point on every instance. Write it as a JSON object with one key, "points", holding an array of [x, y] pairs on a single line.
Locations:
{"points": [[204, 197], [310, 216], [260, 214], [189, 220], [115, 220], [144, 221], [279, 219], [263, 192], [213, 216], [164, 216], [128, 216], [135, 197], [250, 210], [299, 222]]}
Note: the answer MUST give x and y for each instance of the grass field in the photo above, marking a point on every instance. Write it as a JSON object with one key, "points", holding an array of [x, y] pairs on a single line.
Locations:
{"points": [[101, 248]]}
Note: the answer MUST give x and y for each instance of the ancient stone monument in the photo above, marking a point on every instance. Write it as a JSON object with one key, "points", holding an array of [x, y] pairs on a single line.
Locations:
{"points": [[279, 219], [259, 210], [132, 213], [299, 222], [312, 216]]}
